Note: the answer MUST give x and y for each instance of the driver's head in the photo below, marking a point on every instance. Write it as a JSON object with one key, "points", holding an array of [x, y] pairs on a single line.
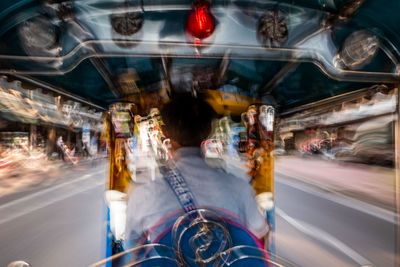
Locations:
{"points": [[187, 119]]}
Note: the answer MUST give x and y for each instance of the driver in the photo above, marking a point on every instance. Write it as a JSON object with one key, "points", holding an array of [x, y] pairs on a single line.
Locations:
{"points": [[187, 122]]}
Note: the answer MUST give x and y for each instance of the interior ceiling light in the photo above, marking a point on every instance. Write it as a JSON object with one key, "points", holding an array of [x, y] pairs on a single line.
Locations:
{"points": [[200, 23], [127, 23], [272, 29], [358, 50], [39, 37]]}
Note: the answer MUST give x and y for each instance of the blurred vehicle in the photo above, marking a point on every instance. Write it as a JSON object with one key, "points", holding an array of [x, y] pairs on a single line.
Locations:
{"points": [[4, 162], [372, 144], [315, 146], [279, 152]]}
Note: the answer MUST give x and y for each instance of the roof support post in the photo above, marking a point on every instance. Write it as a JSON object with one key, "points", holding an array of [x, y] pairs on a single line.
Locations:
{"points": [[397, 181], [166, 63]]}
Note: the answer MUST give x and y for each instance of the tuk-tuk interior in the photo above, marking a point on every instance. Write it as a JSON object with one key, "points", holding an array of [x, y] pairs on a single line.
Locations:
{"points": [[299, 61]]}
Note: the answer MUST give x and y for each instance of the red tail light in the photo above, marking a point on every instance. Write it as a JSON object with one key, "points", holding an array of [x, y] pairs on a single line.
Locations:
{"points": [[200, 23]]}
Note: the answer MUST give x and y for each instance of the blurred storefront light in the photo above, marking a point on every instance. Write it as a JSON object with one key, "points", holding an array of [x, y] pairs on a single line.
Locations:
{"points": [[379, 104], [19, 104]]}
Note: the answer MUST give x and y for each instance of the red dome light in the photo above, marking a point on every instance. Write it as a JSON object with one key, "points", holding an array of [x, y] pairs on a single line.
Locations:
{"points": [[200, 23]]}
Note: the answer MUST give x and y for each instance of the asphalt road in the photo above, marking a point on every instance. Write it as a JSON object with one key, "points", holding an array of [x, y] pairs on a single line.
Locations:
{"points": [[58, 225], [62, 224], [316, 228]]}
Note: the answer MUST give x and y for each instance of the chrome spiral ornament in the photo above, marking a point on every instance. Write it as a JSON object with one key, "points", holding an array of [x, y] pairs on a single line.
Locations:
{"points": [[200, 237]]}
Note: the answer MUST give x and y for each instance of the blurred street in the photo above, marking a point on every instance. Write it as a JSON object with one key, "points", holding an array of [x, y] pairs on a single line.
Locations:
{"points": [[57, 219], [341, 215], [371, 184], [27, 174], [331, 231], [331, 213]]}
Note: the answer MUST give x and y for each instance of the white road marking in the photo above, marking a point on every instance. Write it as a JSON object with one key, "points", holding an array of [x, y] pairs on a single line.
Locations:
{"points": [[324, 237], [343, 200], [20, 207]]}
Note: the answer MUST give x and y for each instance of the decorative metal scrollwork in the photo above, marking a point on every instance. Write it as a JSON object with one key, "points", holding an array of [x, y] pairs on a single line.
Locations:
{"points": [[200, 237]]}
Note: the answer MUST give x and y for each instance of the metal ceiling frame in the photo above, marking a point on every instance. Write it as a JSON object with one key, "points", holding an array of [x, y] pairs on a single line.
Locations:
{"points": [[347, 11], [253, 53], [97, 58], [98, 63]]}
